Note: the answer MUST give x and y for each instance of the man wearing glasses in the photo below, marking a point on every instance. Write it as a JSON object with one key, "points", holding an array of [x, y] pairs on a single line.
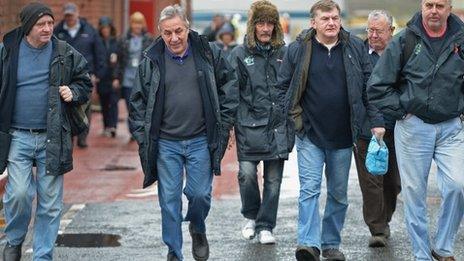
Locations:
{"points": [[379, 192]]}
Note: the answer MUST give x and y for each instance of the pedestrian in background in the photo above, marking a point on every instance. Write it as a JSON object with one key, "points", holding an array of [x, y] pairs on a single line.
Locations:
{"points": [[41, 77], [81, 35], [325, 72], [106, 91], [216, 24], [379, 193], [226, 38], [130, 49], [424, 94], [260, 128], [181, 110]]}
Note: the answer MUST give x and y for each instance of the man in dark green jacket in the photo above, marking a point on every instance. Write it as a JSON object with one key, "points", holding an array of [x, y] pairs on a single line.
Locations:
{"points": [[181, 108], [425, 95], [40, 77], [260, 129], [325, 72]]}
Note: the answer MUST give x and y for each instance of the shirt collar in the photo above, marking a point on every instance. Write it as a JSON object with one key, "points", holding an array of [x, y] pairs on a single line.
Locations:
{"points": [[177, 58]]}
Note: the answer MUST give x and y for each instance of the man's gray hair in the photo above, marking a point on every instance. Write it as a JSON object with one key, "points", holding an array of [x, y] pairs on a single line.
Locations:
{"points": [[450, 2], [172, 11], [376, 14]]}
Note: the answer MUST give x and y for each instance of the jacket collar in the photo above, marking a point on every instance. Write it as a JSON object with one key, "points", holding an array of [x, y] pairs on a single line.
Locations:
{"points": [[308, 34]]}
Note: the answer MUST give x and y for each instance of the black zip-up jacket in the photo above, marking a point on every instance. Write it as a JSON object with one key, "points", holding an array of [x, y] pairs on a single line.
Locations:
{"points": [[87, 42], [59, 146], [428, 86], [260, 129], [218, 88], [294, 74]]}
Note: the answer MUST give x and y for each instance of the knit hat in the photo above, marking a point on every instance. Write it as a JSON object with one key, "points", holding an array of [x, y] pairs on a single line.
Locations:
{"points": [[264, 11], [31, 13]]}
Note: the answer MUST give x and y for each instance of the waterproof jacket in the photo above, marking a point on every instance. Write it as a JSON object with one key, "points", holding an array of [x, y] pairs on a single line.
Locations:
{"points": [[104, 86], [428, 86], [87, 42], [260, 129], [123, 52], [65, 62], [218, 88], [294, 74]]}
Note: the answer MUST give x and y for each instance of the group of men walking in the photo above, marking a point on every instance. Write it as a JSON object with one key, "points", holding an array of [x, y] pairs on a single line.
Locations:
{"points": [[321, 92]]}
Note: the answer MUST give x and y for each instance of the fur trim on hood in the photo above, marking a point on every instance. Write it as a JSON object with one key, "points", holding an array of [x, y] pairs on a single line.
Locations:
{"points": [[264, 11]]}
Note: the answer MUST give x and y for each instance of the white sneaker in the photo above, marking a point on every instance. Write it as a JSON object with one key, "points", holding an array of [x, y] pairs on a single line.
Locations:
{"points": [[248, 231], [266, 237]]}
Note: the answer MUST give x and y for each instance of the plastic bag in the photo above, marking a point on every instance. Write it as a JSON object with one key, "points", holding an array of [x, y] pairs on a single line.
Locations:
{"points": [[377, 157]]}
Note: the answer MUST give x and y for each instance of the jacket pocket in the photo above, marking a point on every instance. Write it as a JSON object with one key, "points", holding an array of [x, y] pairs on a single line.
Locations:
{"points": [[66, 144], [5, 140], [256, 135]]}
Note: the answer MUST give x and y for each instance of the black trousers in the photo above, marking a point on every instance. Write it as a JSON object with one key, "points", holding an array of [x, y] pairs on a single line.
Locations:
{"points": [[379, 192]]}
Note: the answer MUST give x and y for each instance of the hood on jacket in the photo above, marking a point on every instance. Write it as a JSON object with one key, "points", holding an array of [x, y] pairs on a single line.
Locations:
{"points": [[264, 11]]}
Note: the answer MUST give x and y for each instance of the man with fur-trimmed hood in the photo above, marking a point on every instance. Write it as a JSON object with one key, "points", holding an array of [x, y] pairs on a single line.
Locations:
{"points": [[260, 128]]}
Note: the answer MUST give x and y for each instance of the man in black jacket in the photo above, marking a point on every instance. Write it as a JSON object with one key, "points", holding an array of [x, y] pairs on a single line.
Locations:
{"points": [[181, 108], [41, 77], [379, 193], [260, 129], [425, 95], [81, 35], [325, 72]]}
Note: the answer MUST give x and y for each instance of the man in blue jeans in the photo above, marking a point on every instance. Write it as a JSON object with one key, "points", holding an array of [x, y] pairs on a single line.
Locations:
{"points": [[261, 131], [325, 72], [41, 76], [425, 95], [181, 108]]}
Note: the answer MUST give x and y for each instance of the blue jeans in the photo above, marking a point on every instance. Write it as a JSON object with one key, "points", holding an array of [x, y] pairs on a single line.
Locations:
{"points": [[21, 188], [173, 158], [263, 212], [311, 160], [417, 143]]}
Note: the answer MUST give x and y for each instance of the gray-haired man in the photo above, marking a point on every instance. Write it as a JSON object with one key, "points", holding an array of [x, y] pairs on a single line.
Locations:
{"points": [[379, 192], [181, 109]]}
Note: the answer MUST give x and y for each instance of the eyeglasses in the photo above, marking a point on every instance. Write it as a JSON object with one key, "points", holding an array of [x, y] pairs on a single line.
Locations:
{"points": [[378, 31]]}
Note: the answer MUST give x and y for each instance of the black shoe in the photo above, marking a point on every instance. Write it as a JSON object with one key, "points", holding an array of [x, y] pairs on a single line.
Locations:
{"points": [[200, 247], [172, 257], [11, 253], [304, 253]]}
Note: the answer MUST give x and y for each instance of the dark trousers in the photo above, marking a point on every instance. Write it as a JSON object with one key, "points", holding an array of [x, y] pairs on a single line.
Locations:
{"points": [[109, 106], [379, 192], [264, 211]]}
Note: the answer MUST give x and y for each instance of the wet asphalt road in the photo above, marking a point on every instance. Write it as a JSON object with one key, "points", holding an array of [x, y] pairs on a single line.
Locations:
{"points": [[111, 202]]}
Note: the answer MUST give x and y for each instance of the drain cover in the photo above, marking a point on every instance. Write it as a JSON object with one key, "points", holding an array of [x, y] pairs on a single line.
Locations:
{"points": [[113, 167], [88, 240]]}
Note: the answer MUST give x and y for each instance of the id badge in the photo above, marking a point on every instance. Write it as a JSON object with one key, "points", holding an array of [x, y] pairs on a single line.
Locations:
{"points": [[135, 62], [113, 58]]}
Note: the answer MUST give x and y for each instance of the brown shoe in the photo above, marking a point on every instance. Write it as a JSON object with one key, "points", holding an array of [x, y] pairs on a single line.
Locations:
{"points": [[442, 258]]}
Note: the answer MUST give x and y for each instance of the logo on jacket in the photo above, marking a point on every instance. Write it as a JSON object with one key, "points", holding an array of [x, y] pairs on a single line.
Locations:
{"points": [[249, 60], [417, 49]]}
